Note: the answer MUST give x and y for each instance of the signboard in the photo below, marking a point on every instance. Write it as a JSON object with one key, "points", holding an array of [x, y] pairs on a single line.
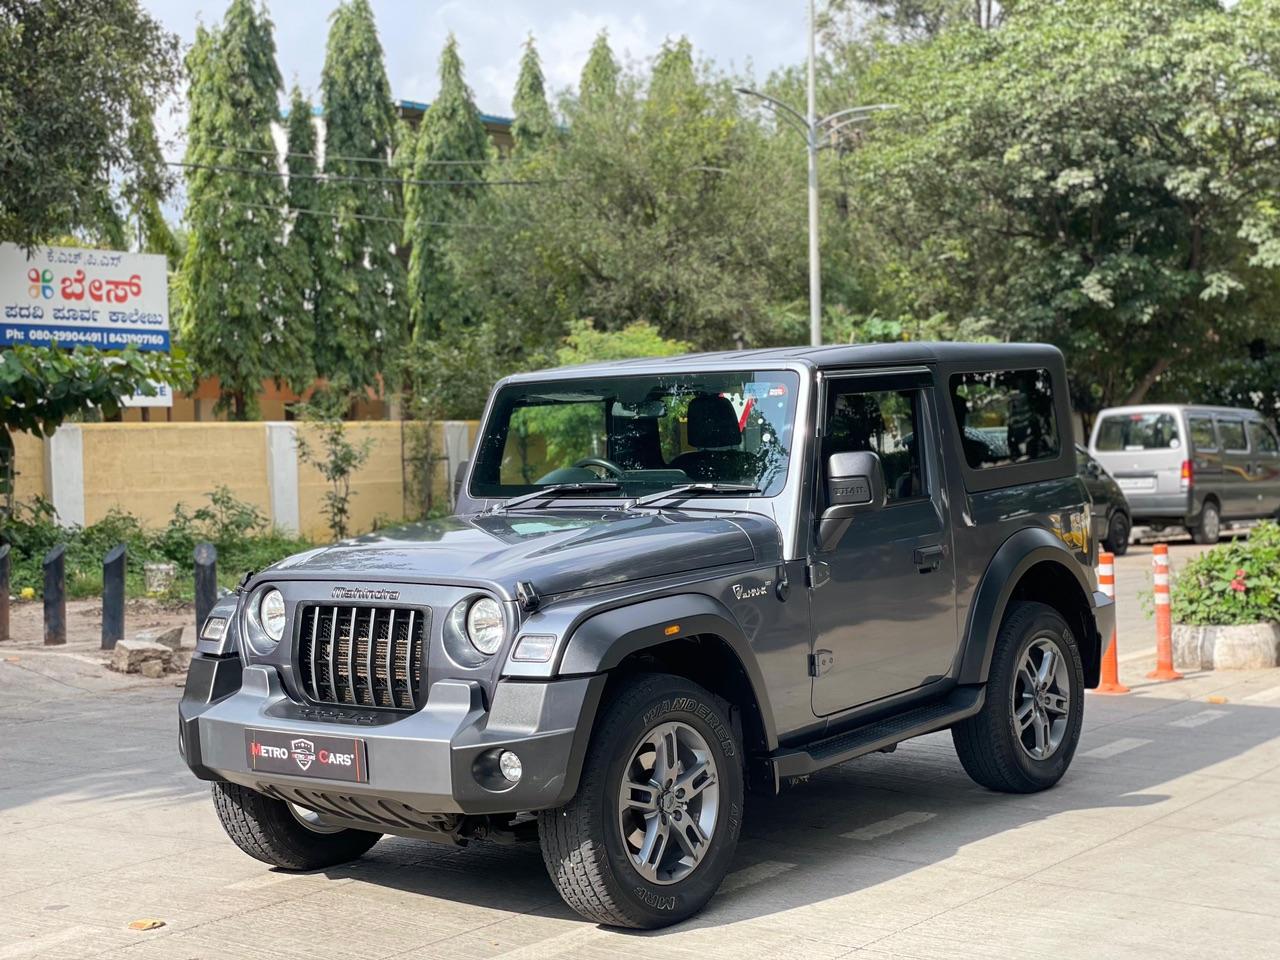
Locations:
{"points": [[69, 297]]}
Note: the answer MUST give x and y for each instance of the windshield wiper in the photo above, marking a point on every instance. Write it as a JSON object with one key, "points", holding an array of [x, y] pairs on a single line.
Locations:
{"points": [[589, 486], [687, 491]]}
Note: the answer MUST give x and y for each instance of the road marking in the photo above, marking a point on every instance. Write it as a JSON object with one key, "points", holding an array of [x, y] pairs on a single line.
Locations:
{"points": [[24, 947], [881, 828], [1199, 719], [756, 873], [1115, 748], [1264, 696]]}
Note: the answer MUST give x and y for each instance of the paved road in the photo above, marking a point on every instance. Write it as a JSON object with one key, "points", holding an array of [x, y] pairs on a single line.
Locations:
{"points": [[1164, 840]]}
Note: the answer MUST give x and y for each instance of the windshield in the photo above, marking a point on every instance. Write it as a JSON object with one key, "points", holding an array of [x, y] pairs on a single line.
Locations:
{"points": [[648, 433], [1138, 431]]}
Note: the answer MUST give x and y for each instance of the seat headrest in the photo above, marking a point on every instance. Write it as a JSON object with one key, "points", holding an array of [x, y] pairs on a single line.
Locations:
{"points": [[713, 423]]}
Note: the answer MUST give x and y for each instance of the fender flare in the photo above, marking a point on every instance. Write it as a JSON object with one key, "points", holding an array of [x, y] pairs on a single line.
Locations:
{"points": [[1015, 557], [601, 642]]}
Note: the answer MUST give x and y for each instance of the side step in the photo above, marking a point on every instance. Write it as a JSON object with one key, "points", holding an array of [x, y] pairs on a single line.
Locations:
{"points": [[801, 761]]}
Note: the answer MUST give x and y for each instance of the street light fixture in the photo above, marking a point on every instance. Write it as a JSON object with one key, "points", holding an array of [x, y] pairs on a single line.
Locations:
{"points": [[819, 132]]}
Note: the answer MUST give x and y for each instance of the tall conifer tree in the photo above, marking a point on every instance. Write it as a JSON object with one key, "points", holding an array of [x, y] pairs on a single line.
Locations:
{"points": [[452, 146], [309, 229], [533, 121], [240, 316], [599, 84], [360, 312]]}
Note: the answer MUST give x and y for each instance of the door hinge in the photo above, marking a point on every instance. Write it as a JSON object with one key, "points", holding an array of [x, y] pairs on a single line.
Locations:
{"points": [[817, 573], [820, 661]]}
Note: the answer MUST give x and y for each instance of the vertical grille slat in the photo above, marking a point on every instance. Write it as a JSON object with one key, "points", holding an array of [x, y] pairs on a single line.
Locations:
{"points": [[347, 658]]}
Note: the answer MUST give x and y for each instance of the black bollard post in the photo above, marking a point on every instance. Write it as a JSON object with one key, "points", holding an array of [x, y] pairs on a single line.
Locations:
{"points": [[206, 581], [4, 591], [113, 597], [55, 596]]}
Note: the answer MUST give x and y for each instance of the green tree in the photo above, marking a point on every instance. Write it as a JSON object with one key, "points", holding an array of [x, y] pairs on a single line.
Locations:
{"points": [[599, 83], [309, 230], [533, 120], [78, 148], [452, 148], [1096, 173], [241, 318], [333, 454], [361, 312]]}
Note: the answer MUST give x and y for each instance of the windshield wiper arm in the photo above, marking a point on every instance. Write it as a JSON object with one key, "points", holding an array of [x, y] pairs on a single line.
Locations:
{"points": [[554, 489], [687, 491]]}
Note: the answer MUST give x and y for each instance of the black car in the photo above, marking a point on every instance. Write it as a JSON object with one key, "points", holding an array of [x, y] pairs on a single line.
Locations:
{"points": [[670, 584], [1112, 518]]}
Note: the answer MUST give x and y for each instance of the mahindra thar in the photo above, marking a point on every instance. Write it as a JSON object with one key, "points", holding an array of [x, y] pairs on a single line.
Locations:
{"points": [[669, 584]]}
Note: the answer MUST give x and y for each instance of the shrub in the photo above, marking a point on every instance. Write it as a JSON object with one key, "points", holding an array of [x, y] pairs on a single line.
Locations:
{"points": [[1234, 583]]}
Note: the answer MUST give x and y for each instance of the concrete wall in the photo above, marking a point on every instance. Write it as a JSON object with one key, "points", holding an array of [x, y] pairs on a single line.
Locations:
{"points": [[147, 469]]}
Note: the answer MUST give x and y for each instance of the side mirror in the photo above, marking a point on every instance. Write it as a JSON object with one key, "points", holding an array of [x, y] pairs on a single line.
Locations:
{"points": [[855, 484], [459, 475]]}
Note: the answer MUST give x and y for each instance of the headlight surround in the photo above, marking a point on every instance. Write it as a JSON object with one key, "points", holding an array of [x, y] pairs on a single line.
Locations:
{"points": [[271, 614], [485, 625]]}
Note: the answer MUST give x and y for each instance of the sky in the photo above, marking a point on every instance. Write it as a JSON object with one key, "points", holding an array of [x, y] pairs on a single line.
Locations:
{"points": [[760, 35]]}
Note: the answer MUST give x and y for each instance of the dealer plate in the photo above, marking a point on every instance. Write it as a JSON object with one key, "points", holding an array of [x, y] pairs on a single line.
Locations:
{"points": [[326, 758]]}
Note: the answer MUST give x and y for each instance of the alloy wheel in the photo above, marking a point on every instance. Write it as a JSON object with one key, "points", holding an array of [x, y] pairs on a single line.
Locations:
{"points": [[668, 803], [1041, 699]]}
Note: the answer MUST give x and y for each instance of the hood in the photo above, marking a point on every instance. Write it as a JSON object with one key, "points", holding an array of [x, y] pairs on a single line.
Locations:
{"points": [[557, 551]]}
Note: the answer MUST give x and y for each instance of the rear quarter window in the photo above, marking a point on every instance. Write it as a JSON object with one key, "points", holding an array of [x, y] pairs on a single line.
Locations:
{"points": [[1202, 435], [1138, 431], [1005, 417], [1232, 434]]}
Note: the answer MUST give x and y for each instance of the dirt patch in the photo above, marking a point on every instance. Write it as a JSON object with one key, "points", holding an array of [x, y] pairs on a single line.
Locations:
{"points": [[84, 621]]}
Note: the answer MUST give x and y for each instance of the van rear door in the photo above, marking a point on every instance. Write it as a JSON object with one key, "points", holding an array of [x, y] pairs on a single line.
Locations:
{"points": [[1144, 450]]}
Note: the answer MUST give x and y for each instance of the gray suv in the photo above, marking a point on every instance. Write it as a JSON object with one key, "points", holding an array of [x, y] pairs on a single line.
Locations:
{"points": [[670, 584]]}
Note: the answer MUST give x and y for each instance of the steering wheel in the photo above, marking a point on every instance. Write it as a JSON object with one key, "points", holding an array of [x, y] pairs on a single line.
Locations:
{"points": [[608, 466]]}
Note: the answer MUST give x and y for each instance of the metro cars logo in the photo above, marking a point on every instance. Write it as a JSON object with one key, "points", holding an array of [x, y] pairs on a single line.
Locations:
{"points": [[303, 752], [334, 758]]}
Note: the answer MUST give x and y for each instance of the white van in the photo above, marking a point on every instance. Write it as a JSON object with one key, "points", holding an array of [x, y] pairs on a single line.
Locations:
{"points": [[1190, 466]]}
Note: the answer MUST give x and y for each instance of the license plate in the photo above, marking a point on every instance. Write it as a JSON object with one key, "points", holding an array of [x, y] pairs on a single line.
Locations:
{"points": [[327, 758], [1137, 483]]}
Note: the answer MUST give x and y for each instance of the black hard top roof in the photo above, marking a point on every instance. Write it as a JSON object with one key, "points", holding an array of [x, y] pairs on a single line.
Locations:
{"points": [[835, 356]]}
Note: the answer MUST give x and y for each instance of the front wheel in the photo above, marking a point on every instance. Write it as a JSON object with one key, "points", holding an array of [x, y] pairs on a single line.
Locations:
{"points": [[1023, 738], [1117, 541], [284, 834], [652, 829]]}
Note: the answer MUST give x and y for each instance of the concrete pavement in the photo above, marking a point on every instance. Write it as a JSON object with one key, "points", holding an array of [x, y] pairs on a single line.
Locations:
{"points": [[1163, 840]]}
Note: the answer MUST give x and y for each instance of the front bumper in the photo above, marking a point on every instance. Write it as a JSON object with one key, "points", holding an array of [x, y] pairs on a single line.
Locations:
{"points": [[433, 761]]}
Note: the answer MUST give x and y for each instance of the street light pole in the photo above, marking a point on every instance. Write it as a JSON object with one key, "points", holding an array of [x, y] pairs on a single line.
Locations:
{"points": [[815, 252], [818, 132]]}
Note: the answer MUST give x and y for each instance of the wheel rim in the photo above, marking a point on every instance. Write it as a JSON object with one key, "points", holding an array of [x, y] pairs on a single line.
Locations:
{"points": [[668, 803], [311, 820], [1212, 526], [1041, 699]]}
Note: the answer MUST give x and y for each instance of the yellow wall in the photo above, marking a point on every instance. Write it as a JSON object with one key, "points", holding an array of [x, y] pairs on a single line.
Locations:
{"points": [[28, 465], [148, 468], [377, 489]]}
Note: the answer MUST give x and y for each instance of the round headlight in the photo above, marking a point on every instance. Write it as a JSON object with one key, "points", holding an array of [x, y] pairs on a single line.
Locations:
{"points": [[484, 626], [271, 614]]}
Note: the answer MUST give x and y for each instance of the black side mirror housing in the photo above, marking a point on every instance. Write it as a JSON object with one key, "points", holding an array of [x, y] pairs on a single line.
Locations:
{"points": [[855, 484]]}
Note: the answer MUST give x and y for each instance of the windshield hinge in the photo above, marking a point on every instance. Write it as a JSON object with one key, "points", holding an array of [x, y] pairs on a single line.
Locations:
{"points": [[527, 596]]}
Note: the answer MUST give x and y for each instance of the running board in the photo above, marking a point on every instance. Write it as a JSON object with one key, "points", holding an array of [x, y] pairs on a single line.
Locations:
{"points": [[960, 703]]}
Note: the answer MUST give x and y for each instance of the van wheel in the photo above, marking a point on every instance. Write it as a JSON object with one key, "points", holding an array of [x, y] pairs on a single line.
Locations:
{"points": [[1023, 738], [285, 835], [651, 832], [1210, 526], [1117, 540]]}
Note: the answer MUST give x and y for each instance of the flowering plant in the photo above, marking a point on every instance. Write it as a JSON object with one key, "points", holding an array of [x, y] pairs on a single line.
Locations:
{"points": [[1234, 583]]}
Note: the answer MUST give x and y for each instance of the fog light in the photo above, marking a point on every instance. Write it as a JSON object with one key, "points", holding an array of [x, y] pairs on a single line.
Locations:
{"points": [[510, 766]]}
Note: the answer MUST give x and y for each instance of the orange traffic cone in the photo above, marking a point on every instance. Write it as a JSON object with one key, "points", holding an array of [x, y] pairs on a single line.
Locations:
{"points": [[1164, 620], [1109, 682]]}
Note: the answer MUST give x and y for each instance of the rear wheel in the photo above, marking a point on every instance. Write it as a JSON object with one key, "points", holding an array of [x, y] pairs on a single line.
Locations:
{"points": [[1210, 526], [1117, 540], [652, 829], [1023, 739], [284, 834]]}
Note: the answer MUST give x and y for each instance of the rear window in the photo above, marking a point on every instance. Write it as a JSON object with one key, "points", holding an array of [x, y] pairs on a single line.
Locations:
{"points": [[1138, 431], [1005, 417]]}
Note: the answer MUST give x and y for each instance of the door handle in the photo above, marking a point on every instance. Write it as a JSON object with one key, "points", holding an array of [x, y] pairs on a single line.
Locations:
{"points": [[929, 559]]}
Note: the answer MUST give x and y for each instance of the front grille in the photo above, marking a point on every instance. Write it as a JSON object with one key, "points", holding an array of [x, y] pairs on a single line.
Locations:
{"points": [[362, 656]]}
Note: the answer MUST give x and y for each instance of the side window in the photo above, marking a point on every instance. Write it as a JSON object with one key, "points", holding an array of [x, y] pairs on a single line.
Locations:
{"points": [[1262, 439], [1232, 434], [1005, 417], [1202, 436], [886, 423]]}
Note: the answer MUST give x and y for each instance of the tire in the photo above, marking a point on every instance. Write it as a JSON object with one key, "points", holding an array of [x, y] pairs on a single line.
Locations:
{"points": [[1117, 540], [992, 751], [1209, 528], [268, 830], [583, 843]]}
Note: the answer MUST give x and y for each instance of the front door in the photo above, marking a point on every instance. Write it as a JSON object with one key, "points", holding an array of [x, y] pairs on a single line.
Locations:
{"points": [[883, 599]]}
